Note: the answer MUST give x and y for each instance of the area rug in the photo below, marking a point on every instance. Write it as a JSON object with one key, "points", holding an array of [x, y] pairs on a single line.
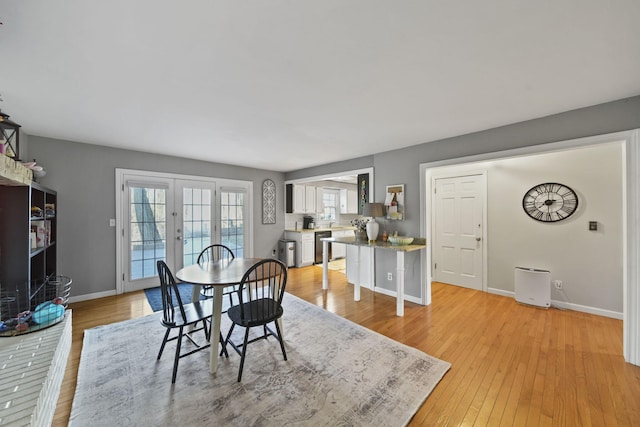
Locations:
{"points": [[337, 373], [154, 296], [337, 265]]}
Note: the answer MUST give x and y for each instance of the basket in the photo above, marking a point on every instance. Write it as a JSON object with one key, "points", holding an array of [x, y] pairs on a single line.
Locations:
{"points": [[46, 307]]}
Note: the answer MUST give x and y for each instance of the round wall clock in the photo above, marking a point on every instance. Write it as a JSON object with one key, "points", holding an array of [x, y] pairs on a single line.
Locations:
{"points": [[550, 202]]}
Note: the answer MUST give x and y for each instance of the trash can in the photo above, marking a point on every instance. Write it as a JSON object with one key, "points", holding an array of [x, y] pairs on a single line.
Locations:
{"points": [[287, 252]]}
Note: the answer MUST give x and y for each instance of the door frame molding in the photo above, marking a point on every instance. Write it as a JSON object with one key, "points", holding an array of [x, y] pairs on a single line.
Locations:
{"points": [[630, 142], [463, 170], [220, 182]]}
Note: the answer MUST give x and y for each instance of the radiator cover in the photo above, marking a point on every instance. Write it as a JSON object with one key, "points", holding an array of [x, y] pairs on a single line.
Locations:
{"points": [[533, 286]]}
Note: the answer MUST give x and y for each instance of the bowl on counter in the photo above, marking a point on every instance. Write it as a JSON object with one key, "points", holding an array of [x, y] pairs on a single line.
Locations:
{"points": [[400, 240]]}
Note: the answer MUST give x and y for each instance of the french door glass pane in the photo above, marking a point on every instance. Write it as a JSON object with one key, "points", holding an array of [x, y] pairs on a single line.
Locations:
{"points": [[232, 221], [196, 222], [147, 231]]}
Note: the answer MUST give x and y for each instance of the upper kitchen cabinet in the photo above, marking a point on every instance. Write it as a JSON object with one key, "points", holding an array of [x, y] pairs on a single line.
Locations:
{"points": [[300, 198], [319, 199], [348, 201], [310, 199]]}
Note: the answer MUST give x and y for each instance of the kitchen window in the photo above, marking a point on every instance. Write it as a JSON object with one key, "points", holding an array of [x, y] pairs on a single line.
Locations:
{"points": [[330, 201]]}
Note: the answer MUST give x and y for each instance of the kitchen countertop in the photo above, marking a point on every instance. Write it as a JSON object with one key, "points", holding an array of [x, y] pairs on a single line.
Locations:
{"points": [[417, 244], [313, 230]]}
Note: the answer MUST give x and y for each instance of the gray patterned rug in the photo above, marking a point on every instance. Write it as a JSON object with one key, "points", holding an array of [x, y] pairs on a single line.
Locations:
{"points": [[338, 373]]}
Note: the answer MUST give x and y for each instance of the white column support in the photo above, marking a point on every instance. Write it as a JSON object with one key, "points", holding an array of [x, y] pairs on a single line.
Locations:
{"points": [[356, 284], [325, 264], [400, 283]]}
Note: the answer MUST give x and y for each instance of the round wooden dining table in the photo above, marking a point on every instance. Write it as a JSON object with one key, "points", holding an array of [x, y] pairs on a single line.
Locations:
{"points": [[218, 274]]}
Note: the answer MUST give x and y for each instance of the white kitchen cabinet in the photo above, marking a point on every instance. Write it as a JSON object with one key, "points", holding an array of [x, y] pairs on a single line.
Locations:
{"points": [[299, 196], [300, 199], [310, 199], [366, 265], [339, 250], [305, 247], [348, 201], [319, 199]]}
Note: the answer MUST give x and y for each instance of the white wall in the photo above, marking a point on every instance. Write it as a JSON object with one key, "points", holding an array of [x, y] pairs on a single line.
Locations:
{"points": [[589, 263]]}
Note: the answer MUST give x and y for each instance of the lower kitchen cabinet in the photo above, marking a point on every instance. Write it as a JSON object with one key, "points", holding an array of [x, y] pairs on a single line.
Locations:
{"points": [[305, 247], [339, 250]]}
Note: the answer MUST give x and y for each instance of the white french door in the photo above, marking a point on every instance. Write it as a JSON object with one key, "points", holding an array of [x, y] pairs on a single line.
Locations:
{"points": [[172, 218], [166, 219], [195, 214]]}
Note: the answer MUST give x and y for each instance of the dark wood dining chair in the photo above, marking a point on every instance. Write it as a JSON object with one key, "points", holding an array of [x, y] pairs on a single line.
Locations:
{"points": [[260, 296], [216, 252], [176, 315]]}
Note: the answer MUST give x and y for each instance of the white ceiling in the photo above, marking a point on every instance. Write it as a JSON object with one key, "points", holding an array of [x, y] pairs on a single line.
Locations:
{"points": [[283, 85]]}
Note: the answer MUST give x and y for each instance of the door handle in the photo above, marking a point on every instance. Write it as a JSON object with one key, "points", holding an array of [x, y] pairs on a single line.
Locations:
{"points": [[478, 239]]}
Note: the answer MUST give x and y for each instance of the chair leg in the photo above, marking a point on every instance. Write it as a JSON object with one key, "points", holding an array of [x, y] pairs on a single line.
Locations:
{"points": [[206, 331], [177, 358], [223, 343], [164, 341], [284, 353], [228, 339], [244, 352]]}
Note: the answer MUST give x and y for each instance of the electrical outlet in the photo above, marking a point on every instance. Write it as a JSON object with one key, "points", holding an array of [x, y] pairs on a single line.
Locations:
{"points": [[557, 284], [389, 276], [273, 252]]}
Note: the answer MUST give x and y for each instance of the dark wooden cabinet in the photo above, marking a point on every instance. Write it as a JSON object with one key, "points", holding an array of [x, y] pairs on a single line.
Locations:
{"points": [[27, 212]]}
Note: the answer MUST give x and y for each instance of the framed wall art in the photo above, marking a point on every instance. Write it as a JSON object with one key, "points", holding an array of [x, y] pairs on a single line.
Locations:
{"points": [[268, 202], [363, 191], [394, 202]]}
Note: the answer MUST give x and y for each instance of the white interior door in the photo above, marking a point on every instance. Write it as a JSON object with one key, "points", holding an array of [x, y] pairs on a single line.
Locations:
{"points": [[458, 231]]}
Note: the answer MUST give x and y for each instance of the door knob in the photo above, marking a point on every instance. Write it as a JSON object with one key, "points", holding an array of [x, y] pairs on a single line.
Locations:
{"points": [[478, 239]]}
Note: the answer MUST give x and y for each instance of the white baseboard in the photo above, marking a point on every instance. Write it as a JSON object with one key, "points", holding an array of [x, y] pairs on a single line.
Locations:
{"points": [[567, 305], [394, 293], [85, 297]]}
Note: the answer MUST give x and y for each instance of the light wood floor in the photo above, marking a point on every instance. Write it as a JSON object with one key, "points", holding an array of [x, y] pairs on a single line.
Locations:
{"points": [[511, 364]]}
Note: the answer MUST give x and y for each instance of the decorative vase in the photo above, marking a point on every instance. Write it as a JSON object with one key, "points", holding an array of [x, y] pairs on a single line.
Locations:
{"points": [[361, 235], [372, 230]]}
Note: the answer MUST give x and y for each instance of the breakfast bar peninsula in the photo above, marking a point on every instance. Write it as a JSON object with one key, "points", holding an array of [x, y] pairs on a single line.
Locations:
{"points": [[417, 245]]}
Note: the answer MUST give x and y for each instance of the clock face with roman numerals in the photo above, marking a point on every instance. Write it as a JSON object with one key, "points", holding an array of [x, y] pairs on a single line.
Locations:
{"points": [[550, 202]]}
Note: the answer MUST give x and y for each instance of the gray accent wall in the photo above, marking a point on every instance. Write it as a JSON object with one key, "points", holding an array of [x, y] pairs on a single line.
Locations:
{"points": [[403, 166], [84, 177]]}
